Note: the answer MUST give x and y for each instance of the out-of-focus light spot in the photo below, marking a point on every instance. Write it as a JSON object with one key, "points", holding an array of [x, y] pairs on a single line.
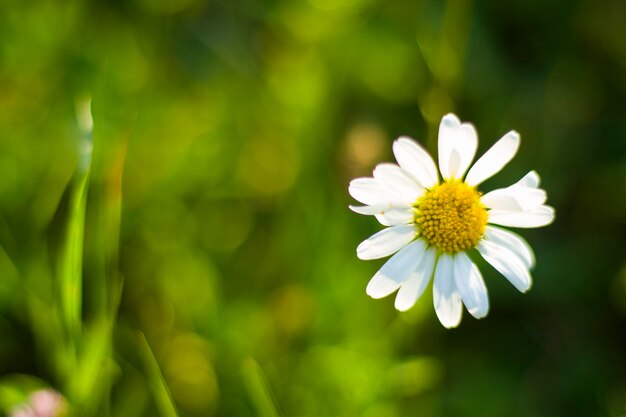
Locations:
{"points": [[157, 316], [298, 79], [447, 67], [167, 224], [347, 371], [223, 225], [339, 5], [417, 375], [268, 165], [395, 78], [435, 104], [174, 143], [190, 374], [292, 309], [189, 278], [302, 21], [364, 144]]}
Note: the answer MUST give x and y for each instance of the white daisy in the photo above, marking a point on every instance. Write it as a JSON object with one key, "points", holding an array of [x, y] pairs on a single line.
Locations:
{"points": [[433, 224]]}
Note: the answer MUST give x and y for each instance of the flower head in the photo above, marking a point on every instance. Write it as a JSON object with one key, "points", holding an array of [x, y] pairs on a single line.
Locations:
{"points": [[432, 225], [41, 403]]}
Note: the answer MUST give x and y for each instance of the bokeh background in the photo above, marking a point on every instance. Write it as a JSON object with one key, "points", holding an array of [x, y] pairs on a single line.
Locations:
{"points": [[219, 275]]}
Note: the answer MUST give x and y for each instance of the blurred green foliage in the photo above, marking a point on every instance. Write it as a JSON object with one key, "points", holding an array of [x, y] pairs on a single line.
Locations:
{"points": [[216, 223]]}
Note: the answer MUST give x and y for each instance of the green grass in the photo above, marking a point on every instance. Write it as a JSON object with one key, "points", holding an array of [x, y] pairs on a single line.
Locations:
{"points": [[193, 253]]}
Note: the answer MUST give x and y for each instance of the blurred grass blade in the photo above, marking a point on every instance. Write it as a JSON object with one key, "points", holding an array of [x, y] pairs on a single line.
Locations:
{"points": [[160, 391], [71, 258], [70, 266], [91, 373], [258, 389]]}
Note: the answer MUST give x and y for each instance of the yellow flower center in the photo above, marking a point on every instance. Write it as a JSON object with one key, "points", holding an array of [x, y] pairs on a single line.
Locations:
{"points": [[451, 217]]}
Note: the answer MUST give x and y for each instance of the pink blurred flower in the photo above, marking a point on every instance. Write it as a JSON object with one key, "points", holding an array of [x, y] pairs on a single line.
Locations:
{"points": [[41, 403]]}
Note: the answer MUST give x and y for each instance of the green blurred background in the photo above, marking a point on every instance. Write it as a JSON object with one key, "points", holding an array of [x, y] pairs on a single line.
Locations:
{"points": [[225, 134]]}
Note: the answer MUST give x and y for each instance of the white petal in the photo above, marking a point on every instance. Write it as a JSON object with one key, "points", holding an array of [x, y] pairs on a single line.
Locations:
{"points": [[446, 297], [398, 180], [494, 159], [507, 263], [457, 146], [417, 281], [395, 271], [531, 180], [467, 147], [447, 136], [387, 213], [381, 208], [394, 216], [514, 198], [524, 195], [471, 286], [369, 210], [416, 161], [512, 242], [386, 242], [371, 192], [537, 217]]}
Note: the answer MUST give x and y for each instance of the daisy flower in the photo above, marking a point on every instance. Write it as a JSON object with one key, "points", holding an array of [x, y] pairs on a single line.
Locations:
{"points": [[433, 224]]}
